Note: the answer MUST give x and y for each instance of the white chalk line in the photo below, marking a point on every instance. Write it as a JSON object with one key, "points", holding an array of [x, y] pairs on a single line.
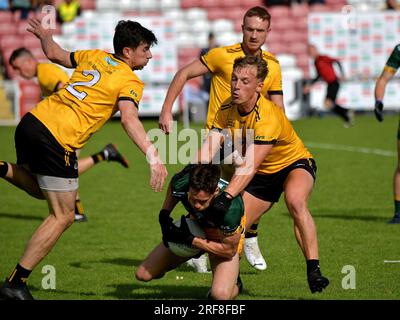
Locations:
{"points": [[338, 147]]}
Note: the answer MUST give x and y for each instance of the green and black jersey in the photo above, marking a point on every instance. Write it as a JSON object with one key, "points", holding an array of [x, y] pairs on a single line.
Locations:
{"points": [[232, 219], [393, 62]]}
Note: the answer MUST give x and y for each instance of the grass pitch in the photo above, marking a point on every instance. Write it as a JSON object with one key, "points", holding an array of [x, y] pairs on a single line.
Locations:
{"points": [[351, 203]]}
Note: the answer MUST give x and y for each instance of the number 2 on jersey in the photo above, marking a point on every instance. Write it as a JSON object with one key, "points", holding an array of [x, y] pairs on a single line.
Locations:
{"points": [[82, 94]]}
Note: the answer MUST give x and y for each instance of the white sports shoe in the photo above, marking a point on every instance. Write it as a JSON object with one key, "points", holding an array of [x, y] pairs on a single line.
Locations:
{"points": [[199, 264], [253, 254]]}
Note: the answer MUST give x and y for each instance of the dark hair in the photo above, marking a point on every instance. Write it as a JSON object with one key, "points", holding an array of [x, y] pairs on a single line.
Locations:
{"points": [[204, 177], [18, 53], [256, 61], [131, 34], [260, 12]]}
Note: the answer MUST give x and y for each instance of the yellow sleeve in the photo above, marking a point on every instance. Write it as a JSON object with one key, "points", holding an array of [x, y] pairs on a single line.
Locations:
{"points": [[268, 130], [276, 85], [79, 56], [212, 59], [132, 91]]}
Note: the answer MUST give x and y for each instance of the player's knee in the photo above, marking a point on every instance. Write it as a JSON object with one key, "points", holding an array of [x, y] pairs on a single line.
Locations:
{"points": [[65, 219], [142, 274], [297, 207], [221, 293]]}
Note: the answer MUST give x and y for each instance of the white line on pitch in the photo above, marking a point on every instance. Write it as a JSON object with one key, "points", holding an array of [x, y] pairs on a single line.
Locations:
{"points": [[391, 261], [328, 146]]}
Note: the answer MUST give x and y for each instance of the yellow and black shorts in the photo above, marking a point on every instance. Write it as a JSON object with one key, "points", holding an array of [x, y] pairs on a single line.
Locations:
{"points": [[37, 148], [269, 187]]}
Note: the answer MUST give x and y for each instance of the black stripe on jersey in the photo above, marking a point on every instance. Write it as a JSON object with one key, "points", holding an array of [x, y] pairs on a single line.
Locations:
{"points": [[226, 106], [214, 128], [235, 49], [265, 142], [128, 99], [276, 92], [72, 58], [201, 60], [55, 88], [257, 113]]}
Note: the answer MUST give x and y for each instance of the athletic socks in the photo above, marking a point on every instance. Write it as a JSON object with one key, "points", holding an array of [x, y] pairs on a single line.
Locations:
{"points": [[3, 169], [19, 276], [79, 207], [397, 207], [252, 232], [100, 156], [341, 112]]}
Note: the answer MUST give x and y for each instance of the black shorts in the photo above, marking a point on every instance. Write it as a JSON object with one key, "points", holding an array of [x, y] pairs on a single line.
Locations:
{"points": [[332, 90], [269, 187], [37, 147]]}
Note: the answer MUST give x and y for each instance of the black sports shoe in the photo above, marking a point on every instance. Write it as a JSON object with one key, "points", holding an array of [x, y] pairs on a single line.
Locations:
{"points": [[112, 154], [80, 217], [395, 219], [316, 281], [12, 292]]}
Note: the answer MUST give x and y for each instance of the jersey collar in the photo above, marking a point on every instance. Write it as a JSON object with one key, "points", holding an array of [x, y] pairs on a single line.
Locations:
{"points": [[247, 113]]}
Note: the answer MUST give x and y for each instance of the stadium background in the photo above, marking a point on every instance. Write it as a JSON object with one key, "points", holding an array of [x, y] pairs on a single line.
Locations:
{"points": [[352, 199]]}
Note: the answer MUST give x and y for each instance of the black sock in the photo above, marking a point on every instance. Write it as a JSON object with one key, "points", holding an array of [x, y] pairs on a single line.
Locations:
{"points": [[79, 207], [252, 232], [341, 112], [3, 169], [396, 207], [100, 156], [312, 265], [19, 275]]}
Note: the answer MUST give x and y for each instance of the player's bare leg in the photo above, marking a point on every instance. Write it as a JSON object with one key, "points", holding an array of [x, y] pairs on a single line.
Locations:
{"points": [[298, 187], [157, 263], [396, 189], [226, 284], [22, 178], [61, 216]]}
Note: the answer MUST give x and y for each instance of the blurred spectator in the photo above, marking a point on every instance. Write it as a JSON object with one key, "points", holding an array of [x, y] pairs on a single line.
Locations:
{"points": [[392, 5], [206, 85], [23, 6], [38, 4], [4, 4], [68, 10], [326, 72]]}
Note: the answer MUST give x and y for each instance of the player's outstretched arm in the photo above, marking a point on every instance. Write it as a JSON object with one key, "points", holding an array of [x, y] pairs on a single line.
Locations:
{"points": [[380, 87], [192, 70], [135, 130], [51, 49]]}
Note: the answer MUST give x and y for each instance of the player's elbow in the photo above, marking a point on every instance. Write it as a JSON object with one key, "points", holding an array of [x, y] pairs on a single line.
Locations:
{"points": [[229, 252]]}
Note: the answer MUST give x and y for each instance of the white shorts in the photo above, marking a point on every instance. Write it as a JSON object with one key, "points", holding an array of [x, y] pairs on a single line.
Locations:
{"points": [[50, 183]]}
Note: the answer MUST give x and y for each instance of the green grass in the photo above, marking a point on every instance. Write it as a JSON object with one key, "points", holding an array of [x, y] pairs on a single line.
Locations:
{"points": [[351, 203]]}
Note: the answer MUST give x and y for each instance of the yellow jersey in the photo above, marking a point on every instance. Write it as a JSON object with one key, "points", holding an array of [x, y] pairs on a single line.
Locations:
{"points": [[220, 63], [49, 76], [271, 126], [90, 97]]}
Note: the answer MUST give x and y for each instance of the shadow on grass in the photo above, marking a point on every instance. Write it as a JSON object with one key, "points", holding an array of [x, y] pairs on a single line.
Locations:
{"points": [[146, 291], [117, 261], [20, 216]]}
